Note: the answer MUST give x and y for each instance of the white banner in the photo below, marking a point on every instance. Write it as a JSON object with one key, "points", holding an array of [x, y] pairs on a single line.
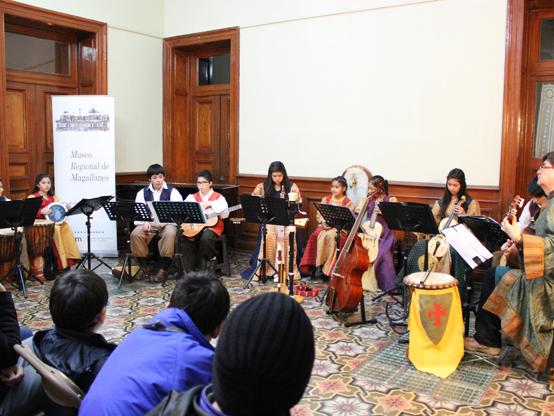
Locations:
{"points": [[84, 163]]}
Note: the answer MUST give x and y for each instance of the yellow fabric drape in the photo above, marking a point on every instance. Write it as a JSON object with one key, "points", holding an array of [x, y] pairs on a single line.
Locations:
{"points": [[436, 331]]}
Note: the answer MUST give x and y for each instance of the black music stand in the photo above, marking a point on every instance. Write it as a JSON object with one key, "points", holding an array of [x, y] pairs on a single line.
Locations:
{"points": [[16, 214], [87, 207], [263, 211], [339, 218], [407, 217], [128, 212], [178, 212], [487, 230]]}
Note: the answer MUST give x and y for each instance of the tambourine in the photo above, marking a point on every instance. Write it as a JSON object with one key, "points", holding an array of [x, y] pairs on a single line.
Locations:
{"points": [[57, 212]]}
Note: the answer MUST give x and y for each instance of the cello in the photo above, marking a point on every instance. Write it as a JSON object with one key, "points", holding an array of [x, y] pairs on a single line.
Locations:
{"points": [[345, 285]]}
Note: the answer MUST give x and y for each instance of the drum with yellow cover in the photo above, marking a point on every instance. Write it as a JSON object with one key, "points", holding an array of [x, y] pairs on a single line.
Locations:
{"points": [[435, 323]]}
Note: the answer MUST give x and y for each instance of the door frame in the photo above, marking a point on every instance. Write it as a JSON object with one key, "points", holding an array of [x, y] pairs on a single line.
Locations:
{"points": [[62, 21], [516, 111], [171, 47]]}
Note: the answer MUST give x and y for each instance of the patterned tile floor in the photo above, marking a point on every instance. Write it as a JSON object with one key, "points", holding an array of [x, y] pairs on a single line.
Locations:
{"points": [[338, 385]]}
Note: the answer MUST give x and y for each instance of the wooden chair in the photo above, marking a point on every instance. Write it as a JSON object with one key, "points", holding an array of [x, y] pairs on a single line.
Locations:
{"points": [[58, 387]]}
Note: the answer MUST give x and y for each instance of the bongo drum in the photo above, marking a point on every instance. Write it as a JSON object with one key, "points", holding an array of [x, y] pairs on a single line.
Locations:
{"points": [[433, 281], [435, 322], [7, 248], [39, 237]]}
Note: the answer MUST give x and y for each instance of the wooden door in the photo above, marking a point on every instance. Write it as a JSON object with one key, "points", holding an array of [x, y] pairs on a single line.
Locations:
{"points": [[44, 131], [538, 122], [20, 134], [199, 120], [29, 133], [210, 135]]}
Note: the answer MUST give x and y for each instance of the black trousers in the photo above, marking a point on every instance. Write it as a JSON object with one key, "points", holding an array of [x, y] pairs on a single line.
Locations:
{"points": [[487, 324], [198, 251]]}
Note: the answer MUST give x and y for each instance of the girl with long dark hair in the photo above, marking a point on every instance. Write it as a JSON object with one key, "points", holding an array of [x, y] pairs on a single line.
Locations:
{"points": [[454, 189], [65, 248], [277, 185], [320, 249]]}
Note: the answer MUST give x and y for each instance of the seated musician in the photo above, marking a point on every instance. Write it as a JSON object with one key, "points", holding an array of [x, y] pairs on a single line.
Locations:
{"points": [[142, 234], [24, 257], [276, 185], [520, 301], [536, 203], [455, 188], [64, 245], [201, 249], [381, 272], [320, 250], [450, 203]]}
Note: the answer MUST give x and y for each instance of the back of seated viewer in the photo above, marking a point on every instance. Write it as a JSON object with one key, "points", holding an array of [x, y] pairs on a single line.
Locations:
{"points": [[174, 354]]}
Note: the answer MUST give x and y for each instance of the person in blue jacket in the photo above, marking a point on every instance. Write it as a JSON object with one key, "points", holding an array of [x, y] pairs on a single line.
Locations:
{"points": [[172, 352]]}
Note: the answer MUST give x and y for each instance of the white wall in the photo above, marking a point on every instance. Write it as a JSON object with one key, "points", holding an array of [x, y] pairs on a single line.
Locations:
{"points": [[135, 77], [408, 88]]}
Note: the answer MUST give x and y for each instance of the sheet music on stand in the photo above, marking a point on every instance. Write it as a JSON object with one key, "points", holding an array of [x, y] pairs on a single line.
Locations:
{"points": [[485, 229], [466, 245]]}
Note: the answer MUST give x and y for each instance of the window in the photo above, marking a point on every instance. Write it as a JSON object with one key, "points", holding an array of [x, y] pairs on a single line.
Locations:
{"points": [[30, 53], [214, 70]]}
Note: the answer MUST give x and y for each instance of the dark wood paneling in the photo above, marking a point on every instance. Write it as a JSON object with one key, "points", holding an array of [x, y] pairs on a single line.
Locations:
{"points": [[92, 76], [512, 122], [313, 189], [20, 136], [129, 177]]}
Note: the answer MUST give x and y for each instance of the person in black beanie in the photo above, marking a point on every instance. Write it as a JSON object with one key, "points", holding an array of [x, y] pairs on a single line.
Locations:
{"points": [[263, 362]]}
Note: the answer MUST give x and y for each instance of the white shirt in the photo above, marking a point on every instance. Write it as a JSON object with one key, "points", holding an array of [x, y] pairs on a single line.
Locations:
{"points": [[218, 206], [174, 196], [525, 217]]}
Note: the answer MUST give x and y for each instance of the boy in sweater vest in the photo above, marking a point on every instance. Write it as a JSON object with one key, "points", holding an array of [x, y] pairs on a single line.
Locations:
{"points": [[142, 234]]}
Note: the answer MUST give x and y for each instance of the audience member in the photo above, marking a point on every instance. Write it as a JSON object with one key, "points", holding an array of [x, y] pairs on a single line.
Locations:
{"points": [[173, 352], [20, 386], [262, 364], [78, 301]]}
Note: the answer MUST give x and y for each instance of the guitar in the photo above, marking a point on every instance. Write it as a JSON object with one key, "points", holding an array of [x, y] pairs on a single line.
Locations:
{"points": [[191, 230], [372, 231], [512, 258], [438, 246]]}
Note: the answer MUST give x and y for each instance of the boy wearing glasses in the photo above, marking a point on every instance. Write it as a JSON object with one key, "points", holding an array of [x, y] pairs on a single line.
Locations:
{"points": [[157, 190], [201, 249]]}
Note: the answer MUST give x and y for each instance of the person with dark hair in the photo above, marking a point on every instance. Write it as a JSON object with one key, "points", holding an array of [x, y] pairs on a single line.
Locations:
{"points": [[276, 185], [451, 263], [144, 232], [253, 374], [64, 245], [381, 272], [520, 302], [454, 189], [20, 386], [172, 352], [532, 209], [320, 249], [78, 301], [201, 249]]}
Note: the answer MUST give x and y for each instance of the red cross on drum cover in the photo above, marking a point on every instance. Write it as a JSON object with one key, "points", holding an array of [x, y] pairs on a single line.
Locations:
{"points": [[434, 312], [437, 313]]}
